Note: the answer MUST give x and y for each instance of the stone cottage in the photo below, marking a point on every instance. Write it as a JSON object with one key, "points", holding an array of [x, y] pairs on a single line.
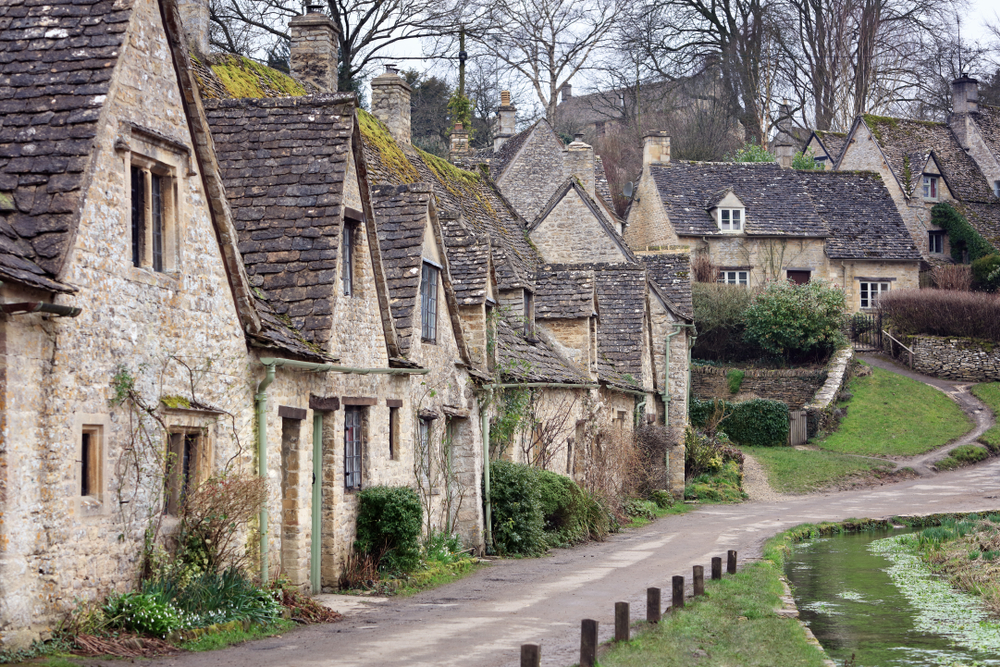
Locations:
{"points": [[757, 222], [923, 163]]}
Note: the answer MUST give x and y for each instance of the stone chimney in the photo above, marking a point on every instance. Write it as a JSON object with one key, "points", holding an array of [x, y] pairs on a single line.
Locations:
{"points": [[655, 148], [578, 161], [194, 15], [459, 143], [964, 95], [391, 103], [507, 120], [784, 142], [566, 92], [314, 43]]}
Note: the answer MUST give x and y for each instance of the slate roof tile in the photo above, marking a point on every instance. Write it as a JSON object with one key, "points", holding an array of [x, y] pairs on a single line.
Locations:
{"points": [[468, 260], [672, 274], [534, 360], [988, 120], [833, 142], [621, 306], [55, 63], [501, 159], [564, 291]]}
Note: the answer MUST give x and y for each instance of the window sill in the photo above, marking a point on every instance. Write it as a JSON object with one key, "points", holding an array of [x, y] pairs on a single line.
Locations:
{"points": [[146, 276], [90, 506]]}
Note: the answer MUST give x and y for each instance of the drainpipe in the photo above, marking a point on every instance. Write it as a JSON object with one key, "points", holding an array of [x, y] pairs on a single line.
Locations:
{"points": [[317, 501], [40, 307], [484, 415], [272, 363]]}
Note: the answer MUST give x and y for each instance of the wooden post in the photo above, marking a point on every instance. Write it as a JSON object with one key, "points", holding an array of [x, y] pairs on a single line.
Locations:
{"points": [[716, 568], [731, 562], [678, 601], [699, 580], [588, 642], [653, 605], [531, 655], [621, 621]]}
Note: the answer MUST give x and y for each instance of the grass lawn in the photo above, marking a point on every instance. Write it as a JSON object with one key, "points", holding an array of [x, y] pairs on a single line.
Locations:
{"points": [[802, 471], [215, 640], [735, 624], [892, 415], [989, 393]]}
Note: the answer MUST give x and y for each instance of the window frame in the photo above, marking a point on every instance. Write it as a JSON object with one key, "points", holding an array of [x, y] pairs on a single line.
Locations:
{"points": [[354, 444], [739, 277], [935, 237], [425, 430], [153, 213], [996, 188], [866, 301], [393, 433], [731, 225], [931, 188], [185, 465], [347, 257], [429, 275]]}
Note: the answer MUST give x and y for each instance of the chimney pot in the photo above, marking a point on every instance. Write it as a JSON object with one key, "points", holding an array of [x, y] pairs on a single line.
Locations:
{"points": [[578, 137], [567, 91], [507, 116], [505, 98], [313, 59]]}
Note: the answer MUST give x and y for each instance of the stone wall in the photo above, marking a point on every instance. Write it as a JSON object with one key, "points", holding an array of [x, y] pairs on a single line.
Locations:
{"points": [[796, 387], [537, 172], [570, 234], [956, 358]]}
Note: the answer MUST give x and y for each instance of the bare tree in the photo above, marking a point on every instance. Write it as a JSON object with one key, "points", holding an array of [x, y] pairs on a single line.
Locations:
{"points": [[545, 41]]}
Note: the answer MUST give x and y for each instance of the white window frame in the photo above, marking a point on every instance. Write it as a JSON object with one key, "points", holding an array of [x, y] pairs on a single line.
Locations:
{"points": [[731, 220], [868, 300], [932, 188], [735, 277], [996, 188], [935, 235]]}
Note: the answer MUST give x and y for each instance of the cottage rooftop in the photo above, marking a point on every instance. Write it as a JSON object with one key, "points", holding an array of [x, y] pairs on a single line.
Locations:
{"points": [[621, 303], [833, 143], [564, 291], [671, 272]]}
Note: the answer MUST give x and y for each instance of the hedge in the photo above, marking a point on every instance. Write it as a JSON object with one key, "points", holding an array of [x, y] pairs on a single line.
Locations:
{"points": [[517, 519], [388, 523], [758, 422]]}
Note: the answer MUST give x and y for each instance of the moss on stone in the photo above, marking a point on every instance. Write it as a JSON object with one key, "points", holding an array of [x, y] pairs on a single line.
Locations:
{"points": [[243, 78], [377, 136], [176, 402]]}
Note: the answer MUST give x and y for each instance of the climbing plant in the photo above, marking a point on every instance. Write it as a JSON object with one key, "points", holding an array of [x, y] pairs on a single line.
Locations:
{"points": [[963, 237]]}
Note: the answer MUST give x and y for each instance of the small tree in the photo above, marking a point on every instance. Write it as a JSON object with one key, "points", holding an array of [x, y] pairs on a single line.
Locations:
{"points": [[787, 319], [806, 161], [751, 152]]}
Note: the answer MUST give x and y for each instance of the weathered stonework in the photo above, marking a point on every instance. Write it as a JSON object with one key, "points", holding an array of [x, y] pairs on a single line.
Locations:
{"points": [[528, 181], [795, 387], [956, 358], [391, 104], [314, 43]]}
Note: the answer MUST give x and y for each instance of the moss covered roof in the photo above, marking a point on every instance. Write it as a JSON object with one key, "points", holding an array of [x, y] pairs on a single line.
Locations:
{"points": [[231, 76]]}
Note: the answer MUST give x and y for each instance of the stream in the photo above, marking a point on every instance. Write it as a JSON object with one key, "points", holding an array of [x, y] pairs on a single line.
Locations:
{"points": [[867, 595]]}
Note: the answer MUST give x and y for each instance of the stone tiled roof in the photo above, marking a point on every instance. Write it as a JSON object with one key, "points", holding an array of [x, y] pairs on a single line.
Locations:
{"points": [[224, 75], [903, 140], [988, 120], [833, 142], [564, 291], [534, 360], [401, 215], [863, 219], [601, 182], [508, 151], [601, 214], [672, 274], [776, 203], [283, 162], [468, 260], [56, 62], [621, 304], [472, 194], [278, 334]]}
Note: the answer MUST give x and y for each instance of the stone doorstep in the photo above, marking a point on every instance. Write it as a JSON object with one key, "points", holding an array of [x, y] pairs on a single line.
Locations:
{"points": [[789, 609]]}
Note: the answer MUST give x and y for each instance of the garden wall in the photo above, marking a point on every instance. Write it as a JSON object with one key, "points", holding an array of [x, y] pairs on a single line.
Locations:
{"points": [[956, 358], [794, 386]]}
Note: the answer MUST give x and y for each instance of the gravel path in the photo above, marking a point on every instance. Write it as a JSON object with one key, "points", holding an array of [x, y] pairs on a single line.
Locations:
{"points": [[755, 482]]}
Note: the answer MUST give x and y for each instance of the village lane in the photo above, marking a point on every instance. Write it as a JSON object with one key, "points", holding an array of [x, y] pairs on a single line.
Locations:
{"points": [[482, 620]]}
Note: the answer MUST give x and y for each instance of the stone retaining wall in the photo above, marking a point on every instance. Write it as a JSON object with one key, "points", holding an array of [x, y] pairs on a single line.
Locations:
{"points": [[956, 358], [817, 415], [796, 387]]}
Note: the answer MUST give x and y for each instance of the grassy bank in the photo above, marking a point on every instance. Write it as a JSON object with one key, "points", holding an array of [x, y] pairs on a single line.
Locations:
{"points": [[804, 471], [892, 415], [989, 393], [967, 552]]}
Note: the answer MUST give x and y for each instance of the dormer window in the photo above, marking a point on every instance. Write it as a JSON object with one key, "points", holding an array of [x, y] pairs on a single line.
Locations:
{"points": [[930, 187], [731, 219], [996, 188]]}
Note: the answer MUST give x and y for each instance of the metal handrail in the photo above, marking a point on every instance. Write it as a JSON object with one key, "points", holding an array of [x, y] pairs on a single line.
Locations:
{"points": [[893, 339]]}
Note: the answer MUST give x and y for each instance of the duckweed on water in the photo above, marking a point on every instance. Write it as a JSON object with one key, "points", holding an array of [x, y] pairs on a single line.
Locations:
{"points": [[939, 609]]}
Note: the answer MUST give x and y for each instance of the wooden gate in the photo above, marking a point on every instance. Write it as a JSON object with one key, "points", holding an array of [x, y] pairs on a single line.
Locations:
{"points": [[866, 331], [798, 430]]}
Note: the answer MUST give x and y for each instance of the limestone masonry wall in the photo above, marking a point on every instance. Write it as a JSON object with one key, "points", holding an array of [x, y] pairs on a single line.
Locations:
{"points": [[796, 387], [956, 358]]}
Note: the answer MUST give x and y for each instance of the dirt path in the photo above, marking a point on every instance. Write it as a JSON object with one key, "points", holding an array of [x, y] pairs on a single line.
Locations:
{"points": [[482, 620], [982, 417]]}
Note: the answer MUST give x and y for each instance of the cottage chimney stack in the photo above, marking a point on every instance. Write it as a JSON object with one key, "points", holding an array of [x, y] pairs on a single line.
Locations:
{"points": [[459, 143], [578, 161], [507, 120], [391, 103], [194, 16], [655, 148], [784, 142], [964, 95], [315, 39], [566, 92]]}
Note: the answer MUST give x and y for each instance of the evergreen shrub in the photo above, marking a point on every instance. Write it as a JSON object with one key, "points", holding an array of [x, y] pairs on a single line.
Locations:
{"points": [[986, 273], [787, 319], [389, 520], [517, 519], [962, 236], [758, 422], [563, 506]]}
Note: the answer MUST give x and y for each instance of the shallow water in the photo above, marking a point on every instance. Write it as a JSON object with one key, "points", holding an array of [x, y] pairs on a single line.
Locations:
{"points": [[884, 608]]}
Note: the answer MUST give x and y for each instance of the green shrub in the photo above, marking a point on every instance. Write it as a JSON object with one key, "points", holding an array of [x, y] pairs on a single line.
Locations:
{"points": [[751, 152], [517, 519], [640, 509], [662, 498], [787, 319], [758, 423], [216, 598], [961, 235], [986, 273], [143, 613], [725, 485], [389, 527], [734, 380], [563, 511], [806, 161], [441, 547], [718, 315]]}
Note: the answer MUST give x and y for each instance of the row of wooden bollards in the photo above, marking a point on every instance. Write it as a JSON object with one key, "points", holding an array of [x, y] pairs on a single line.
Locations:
{"points": [[531, 654]]}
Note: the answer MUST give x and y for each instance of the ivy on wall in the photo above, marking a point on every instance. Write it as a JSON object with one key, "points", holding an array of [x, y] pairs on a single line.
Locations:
{"points": [[961, 235]]}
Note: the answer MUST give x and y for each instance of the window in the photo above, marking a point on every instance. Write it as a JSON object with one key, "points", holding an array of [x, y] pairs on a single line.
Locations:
{"points": [[936, 241], [798, 277], [91, 462], [347, 263], [730, 219], [152, 206], [184, 452], [529, 314], [353, 440], [394, 433], [425, 450], [734, 277], [428, 303], [870, 292], [930, 187], [996, 188]]}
